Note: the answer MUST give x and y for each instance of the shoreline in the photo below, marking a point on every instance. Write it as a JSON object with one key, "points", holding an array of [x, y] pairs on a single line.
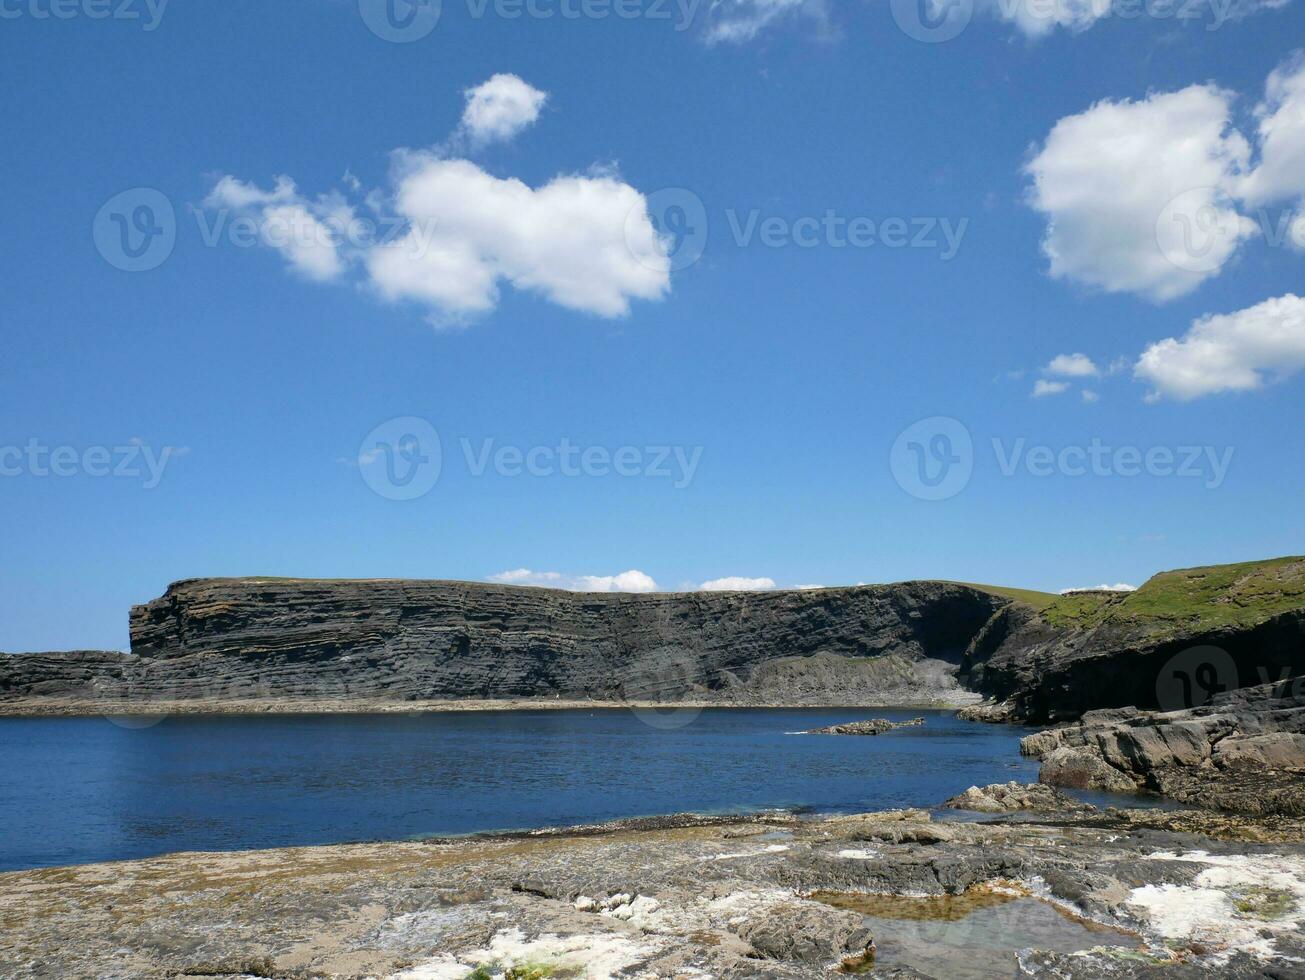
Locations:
{"points": [[92, 708], [685, 895]]}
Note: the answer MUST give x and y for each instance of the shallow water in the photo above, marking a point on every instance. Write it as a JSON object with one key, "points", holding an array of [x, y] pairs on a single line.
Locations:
{"points": [[79, 790], [973, 936]]}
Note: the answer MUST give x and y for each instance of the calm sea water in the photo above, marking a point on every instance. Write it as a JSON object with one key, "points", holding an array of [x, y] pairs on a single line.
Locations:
{"points": [[79, 790]]}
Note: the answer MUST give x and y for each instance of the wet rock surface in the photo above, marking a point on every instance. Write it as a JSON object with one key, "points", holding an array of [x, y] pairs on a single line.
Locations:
{"points": [[721, 898]]}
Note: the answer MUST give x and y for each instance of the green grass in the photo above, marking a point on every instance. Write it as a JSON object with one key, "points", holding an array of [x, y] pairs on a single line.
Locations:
{"points": [[1038, 600], [1217, 596]]}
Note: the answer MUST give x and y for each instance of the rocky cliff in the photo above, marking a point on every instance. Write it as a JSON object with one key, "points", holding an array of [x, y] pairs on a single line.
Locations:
{"points": [[258, 638], [1180, 640]]}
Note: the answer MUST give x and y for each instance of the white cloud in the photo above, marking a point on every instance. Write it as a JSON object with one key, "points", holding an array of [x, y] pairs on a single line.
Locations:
{"points": [[631, 581], [1280, 173], [500, 108], [1117, 587], [1107, 180], [808, 588], [584, 242], [736, 583], [1072, 366], [1037, 18], [1090, 396], [1228, 352], [287, 222], [739, 21], [1043, 388]]}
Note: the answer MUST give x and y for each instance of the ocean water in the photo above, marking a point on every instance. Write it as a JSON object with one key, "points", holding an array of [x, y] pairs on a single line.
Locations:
{"points": [[76, 790]]}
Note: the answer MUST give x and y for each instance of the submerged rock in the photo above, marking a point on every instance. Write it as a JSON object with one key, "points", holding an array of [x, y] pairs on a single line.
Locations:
{"points": [[875, 726]]}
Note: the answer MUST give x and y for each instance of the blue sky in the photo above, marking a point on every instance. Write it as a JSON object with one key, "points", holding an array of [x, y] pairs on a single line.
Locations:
{"points": [[545, 301]]}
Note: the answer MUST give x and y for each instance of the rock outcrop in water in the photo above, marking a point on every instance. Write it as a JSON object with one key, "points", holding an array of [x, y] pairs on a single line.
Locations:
{"points": [[395, 640], [875, 726], [1243, 752]]}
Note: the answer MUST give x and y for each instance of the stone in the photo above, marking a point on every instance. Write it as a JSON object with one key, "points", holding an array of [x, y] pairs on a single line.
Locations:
{"points": [[806, 933], [1083, 769], [875, 726], [1011, 797]]}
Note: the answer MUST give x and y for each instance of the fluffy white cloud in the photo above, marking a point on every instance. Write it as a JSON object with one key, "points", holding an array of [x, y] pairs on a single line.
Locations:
{"points": [[1153, 197], [1280, 173], [1228, 352], [737, 583], [808, 588], [1037, 18], [1123, 184], [631, 581], [1042, 388], [1117, 587], [1072, 366], [584, 242], [286, 222], [500, 108]]}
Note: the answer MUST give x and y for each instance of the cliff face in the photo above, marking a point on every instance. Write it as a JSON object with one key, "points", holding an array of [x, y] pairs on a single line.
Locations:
{"points": [[1182, 638], [410, 640]]}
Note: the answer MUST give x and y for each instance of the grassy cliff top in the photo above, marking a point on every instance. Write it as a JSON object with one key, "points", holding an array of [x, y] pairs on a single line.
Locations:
{"points": [[1211, 597], [1038, 600]]}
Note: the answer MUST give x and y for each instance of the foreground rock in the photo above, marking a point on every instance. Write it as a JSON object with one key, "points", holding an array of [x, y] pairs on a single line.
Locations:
{"points": [[763, 897], [248, 640], [875, 726], [1243, 752], [1012, 797]]}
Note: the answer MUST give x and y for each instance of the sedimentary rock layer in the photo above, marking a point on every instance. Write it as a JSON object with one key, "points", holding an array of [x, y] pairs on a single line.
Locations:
{"points": [[409, 640], [1182, 638]]}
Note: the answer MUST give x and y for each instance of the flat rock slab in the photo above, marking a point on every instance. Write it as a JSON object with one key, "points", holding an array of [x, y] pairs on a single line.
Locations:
{"points": [[729, 899]]}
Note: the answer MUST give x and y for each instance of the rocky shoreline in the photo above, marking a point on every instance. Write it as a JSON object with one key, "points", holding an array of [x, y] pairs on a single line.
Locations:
{"points": [[1115, 893]]}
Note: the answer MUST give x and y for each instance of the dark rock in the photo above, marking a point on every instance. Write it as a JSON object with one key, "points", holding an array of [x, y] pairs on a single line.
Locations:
{"points": [[263, 639]]}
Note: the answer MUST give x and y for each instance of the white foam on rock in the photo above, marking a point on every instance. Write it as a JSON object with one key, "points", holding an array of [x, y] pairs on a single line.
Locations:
{"points": [[1207, 910], [593, 956]]}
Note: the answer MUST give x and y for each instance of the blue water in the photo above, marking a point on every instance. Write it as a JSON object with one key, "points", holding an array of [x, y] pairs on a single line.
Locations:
{"points": [[80, 790]]}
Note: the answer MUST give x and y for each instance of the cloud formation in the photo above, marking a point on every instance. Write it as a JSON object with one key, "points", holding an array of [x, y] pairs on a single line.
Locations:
{"points": [[1072, 366], [630, 581], [1117, 587], [1228, 352], [1153, 196], [1043, 388], [500, 108], [448, 235], [737, 583]]}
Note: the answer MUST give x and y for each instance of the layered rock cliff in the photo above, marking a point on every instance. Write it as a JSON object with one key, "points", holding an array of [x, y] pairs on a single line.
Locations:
{"points": [[1183, 638], [256, 638]]}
